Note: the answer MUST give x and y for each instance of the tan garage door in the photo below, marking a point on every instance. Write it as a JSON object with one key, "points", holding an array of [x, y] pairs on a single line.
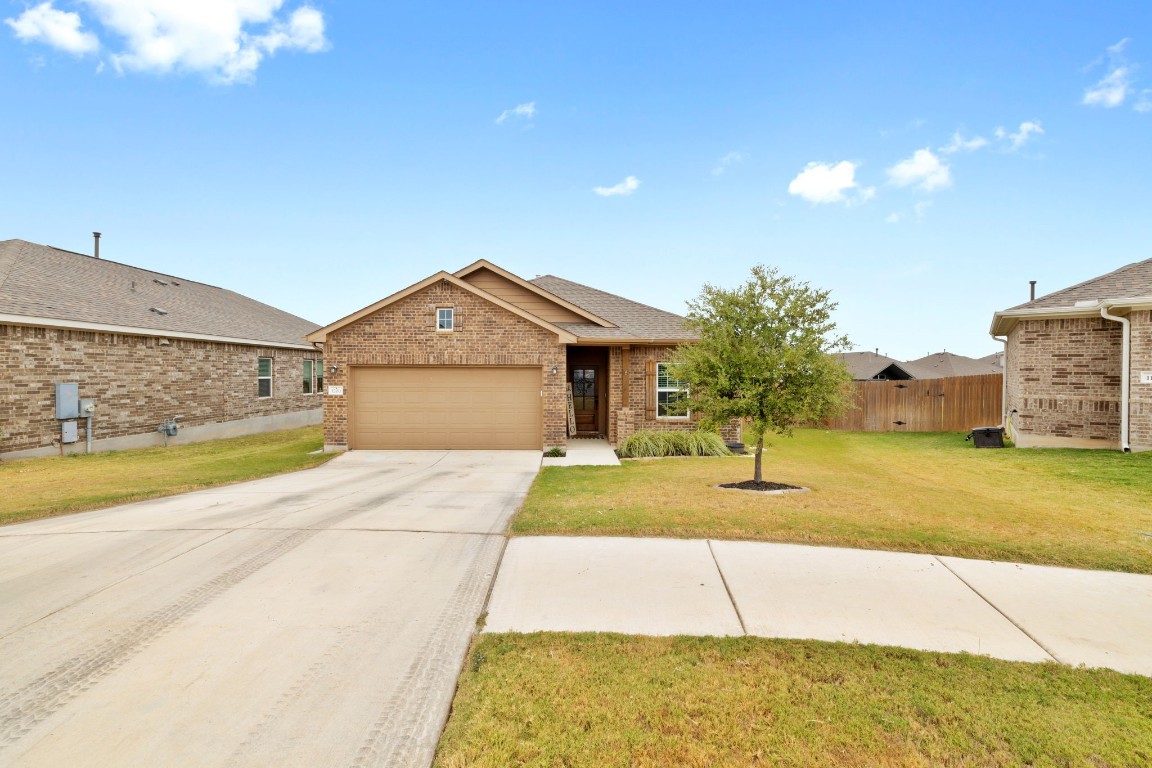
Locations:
{"points": [[449, 407]]}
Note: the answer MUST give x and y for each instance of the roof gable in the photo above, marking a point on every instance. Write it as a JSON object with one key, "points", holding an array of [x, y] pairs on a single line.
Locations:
{"points": [[633, 321], [42, 284], [321, 334], [524, 294], [870, 365]]}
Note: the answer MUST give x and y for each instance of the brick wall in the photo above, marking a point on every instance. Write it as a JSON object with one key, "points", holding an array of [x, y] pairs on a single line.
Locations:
{"points": [[1140, 400], [137, 382], [404, 333], [626, 418], [1063, 378]]}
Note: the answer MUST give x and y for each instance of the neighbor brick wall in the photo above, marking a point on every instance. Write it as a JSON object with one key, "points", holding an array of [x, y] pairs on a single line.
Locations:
{"points": [[403, 333], [1063, 378], [136, 382]]}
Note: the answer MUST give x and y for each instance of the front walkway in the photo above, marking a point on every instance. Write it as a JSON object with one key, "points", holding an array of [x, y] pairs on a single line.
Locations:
{"points": [[695, 587]]}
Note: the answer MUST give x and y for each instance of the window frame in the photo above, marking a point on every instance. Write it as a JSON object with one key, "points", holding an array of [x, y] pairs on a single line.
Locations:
{"points": [[661, 372], [261, 378], [440, 319], [309, 377]]}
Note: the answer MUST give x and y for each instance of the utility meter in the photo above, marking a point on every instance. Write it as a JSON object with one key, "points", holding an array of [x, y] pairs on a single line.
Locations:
{"points": [[87, 407]]}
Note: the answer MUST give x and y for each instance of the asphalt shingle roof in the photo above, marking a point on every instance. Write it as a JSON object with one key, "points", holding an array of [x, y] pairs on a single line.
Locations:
{"points": [[635, 320], [866, 365], [941, 364], [45, 282], [1131, 281]]}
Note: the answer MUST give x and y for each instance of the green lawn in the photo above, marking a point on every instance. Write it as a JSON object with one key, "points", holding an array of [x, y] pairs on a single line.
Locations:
{"points": [[929, 493], [35, 488], [612, 700]]}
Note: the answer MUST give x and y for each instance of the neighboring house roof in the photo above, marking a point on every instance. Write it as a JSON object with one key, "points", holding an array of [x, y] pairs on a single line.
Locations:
{"points": [[870, 365], [42, 285], [1124, 289], [634, 321], [943, 364]]}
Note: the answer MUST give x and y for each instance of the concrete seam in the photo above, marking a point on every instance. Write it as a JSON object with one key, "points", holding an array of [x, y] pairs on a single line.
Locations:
{"points": [[724, 581], [996, 608]]}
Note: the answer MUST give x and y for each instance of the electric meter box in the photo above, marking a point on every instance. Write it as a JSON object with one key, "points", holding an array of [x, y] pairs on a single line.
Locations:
{"points": [[68, 432], [68, 401]]}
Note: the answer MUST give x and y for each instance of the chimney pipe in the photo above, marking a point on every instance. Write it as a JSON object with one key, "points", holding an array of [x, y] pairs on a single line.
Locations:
{"points": [[96, 238], [1031, 290]]}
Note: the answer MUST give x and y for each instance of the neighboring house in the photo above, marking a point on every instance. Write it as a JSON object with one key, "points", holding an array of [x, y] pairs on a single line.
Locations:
{"points": [[943, 365], [1079, 363], [483, 359], [873, 366], [146, 348]]}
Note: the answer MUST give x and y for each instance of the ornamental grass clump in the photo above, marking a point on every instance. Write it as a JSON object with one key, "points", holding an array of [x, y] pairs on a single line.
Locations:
{"points": [[650, 444]]}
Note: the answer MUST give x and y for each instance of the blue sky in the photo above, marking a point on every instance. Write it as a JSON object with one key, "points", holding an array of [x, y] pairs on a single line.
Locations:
{"points": [[923, 162]]}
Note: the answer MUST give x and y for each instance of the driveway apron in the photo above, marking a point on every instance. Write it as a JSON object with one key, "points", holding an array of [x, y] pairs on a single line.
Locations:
{"points": [[316, 618]]}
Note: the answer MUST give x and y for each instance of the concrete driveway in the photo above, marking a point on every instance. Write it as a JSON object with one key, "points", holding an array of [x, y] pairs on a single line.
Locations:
{"points": [[316, 618]]}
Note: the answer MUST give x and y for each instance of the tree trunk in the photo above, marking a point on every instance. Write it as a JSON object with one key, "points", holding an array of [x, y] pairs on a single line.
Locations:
{"points": [[758, 474]]}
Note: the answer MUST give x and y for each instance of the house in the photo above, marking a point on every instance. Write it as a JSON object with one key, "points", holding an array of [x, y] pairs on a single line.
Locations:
{"points": [[146, 348], [482, 358], [943, 365], [873, 366], [1078, 364]]}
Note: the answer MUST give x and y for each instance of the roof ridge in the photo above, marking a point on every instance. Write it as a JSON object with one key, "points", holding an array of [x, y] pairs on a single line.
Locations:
{"points": [[1083, 283]]}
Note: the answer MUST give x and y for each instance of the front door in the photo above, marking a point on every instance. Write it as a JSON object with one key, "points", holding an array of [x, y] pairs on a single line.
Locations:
{"points": [[585, 398]]}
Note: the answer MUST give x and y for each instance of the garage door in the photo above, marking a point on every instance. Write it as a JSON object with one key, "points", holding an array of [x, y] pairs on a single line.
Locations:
{"points": [[451, 407]]}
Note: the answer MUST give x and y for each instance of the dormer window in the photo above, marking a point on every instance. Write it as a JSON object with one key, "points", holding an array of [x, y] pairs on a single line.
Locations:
{"points": [[444, 319]]}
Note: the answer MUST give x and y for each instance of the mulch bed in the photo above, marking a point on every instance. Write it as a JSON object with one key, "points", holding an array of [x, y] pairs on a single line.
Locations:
{"points": [[762, 485]]}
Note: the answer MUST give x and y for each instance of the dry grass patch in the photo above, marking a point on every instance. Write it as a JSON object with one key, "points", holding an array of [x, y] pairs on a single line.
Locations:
{"points": [[612, 700], [35, 488], [929, 493]]}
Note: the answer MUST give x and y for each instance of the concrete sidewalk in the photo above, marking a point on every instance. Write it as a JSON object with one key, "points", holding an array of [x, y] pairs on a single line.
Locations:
{"points": [[676, 586], [584, 452]]}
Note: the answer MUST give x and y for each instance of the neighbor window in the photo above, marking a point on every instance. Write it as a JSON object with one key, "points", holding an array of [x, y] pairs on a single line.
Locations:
{"points": [[313, 376], [264, 377], [669, 392], [444, 318]]}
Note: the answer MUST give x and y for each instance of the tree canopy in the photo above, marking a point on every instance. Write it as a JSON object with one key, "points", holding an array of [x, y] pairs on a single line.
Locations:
{"points": [[765, 356]]}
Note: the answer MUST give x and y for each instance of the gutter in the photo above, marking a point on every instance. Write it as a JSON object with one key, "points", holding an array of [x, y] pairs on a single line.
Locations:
{"points": [[1003, 382], [1125, 372], [124, 330]]}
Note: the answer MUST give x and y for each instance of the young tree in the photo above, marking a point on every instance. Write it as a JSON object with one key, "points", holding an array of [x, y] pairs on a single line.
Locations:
{"points": [[764, 355]]}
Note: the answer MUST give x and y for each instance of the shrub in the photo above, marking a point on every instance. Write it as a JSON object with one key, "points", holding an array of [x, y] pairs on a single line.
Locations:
{"points": [[555, 453], [647, 443]]}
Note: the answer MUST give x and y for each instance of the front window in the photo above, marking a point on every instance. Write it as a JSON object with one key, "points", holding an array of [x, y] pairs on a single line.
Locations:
{"points": [[444, 319], [264, 377], [669, 394], [309, 376]]}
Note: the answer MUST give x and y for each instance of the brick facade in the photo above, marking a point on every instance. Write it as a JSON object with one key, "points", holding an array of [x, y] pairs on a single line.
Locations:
{"points": [[1140, 398], [1064, 380], [137, 382], [404, 333]]}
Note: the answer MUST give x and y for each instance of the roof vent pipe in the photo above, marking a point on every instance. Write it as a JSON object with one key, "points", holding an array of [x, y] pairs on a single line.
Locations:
{"points": [[96, 239], [1031, 290]]}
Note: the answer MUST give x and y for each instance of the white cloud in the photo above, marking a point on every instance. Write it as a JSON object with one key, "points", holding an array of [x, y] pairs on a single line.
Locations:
{"points": [[961, 144], [526, 110], [1116, 86], [894, 217], [1027, 129], [59, 29], [924, 170], [1144, 102], [726, 162], [827, 183], [626, 187], [224, 39]]}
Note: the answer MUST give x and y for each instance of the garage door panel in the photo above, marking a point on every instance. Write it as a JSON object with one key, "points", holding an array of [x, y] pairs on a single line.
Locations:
{"points": [[445, 407]]}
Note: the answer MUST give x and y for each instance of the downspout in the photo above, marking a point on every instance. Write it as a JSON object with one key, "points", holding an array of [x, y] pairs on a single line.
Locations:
{"points": [[1125, 374], [1003, 382]]}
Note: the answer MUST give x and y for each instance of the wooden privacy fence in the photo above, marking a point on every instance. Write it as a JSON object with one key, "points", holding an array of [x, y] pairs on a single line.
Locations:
{"points": [[954, 404]]}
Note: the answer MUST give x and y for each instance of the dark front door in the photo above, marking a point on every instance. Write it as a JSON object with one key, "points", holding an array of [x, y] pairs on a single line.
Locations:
{"points": [[586, 398]]}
